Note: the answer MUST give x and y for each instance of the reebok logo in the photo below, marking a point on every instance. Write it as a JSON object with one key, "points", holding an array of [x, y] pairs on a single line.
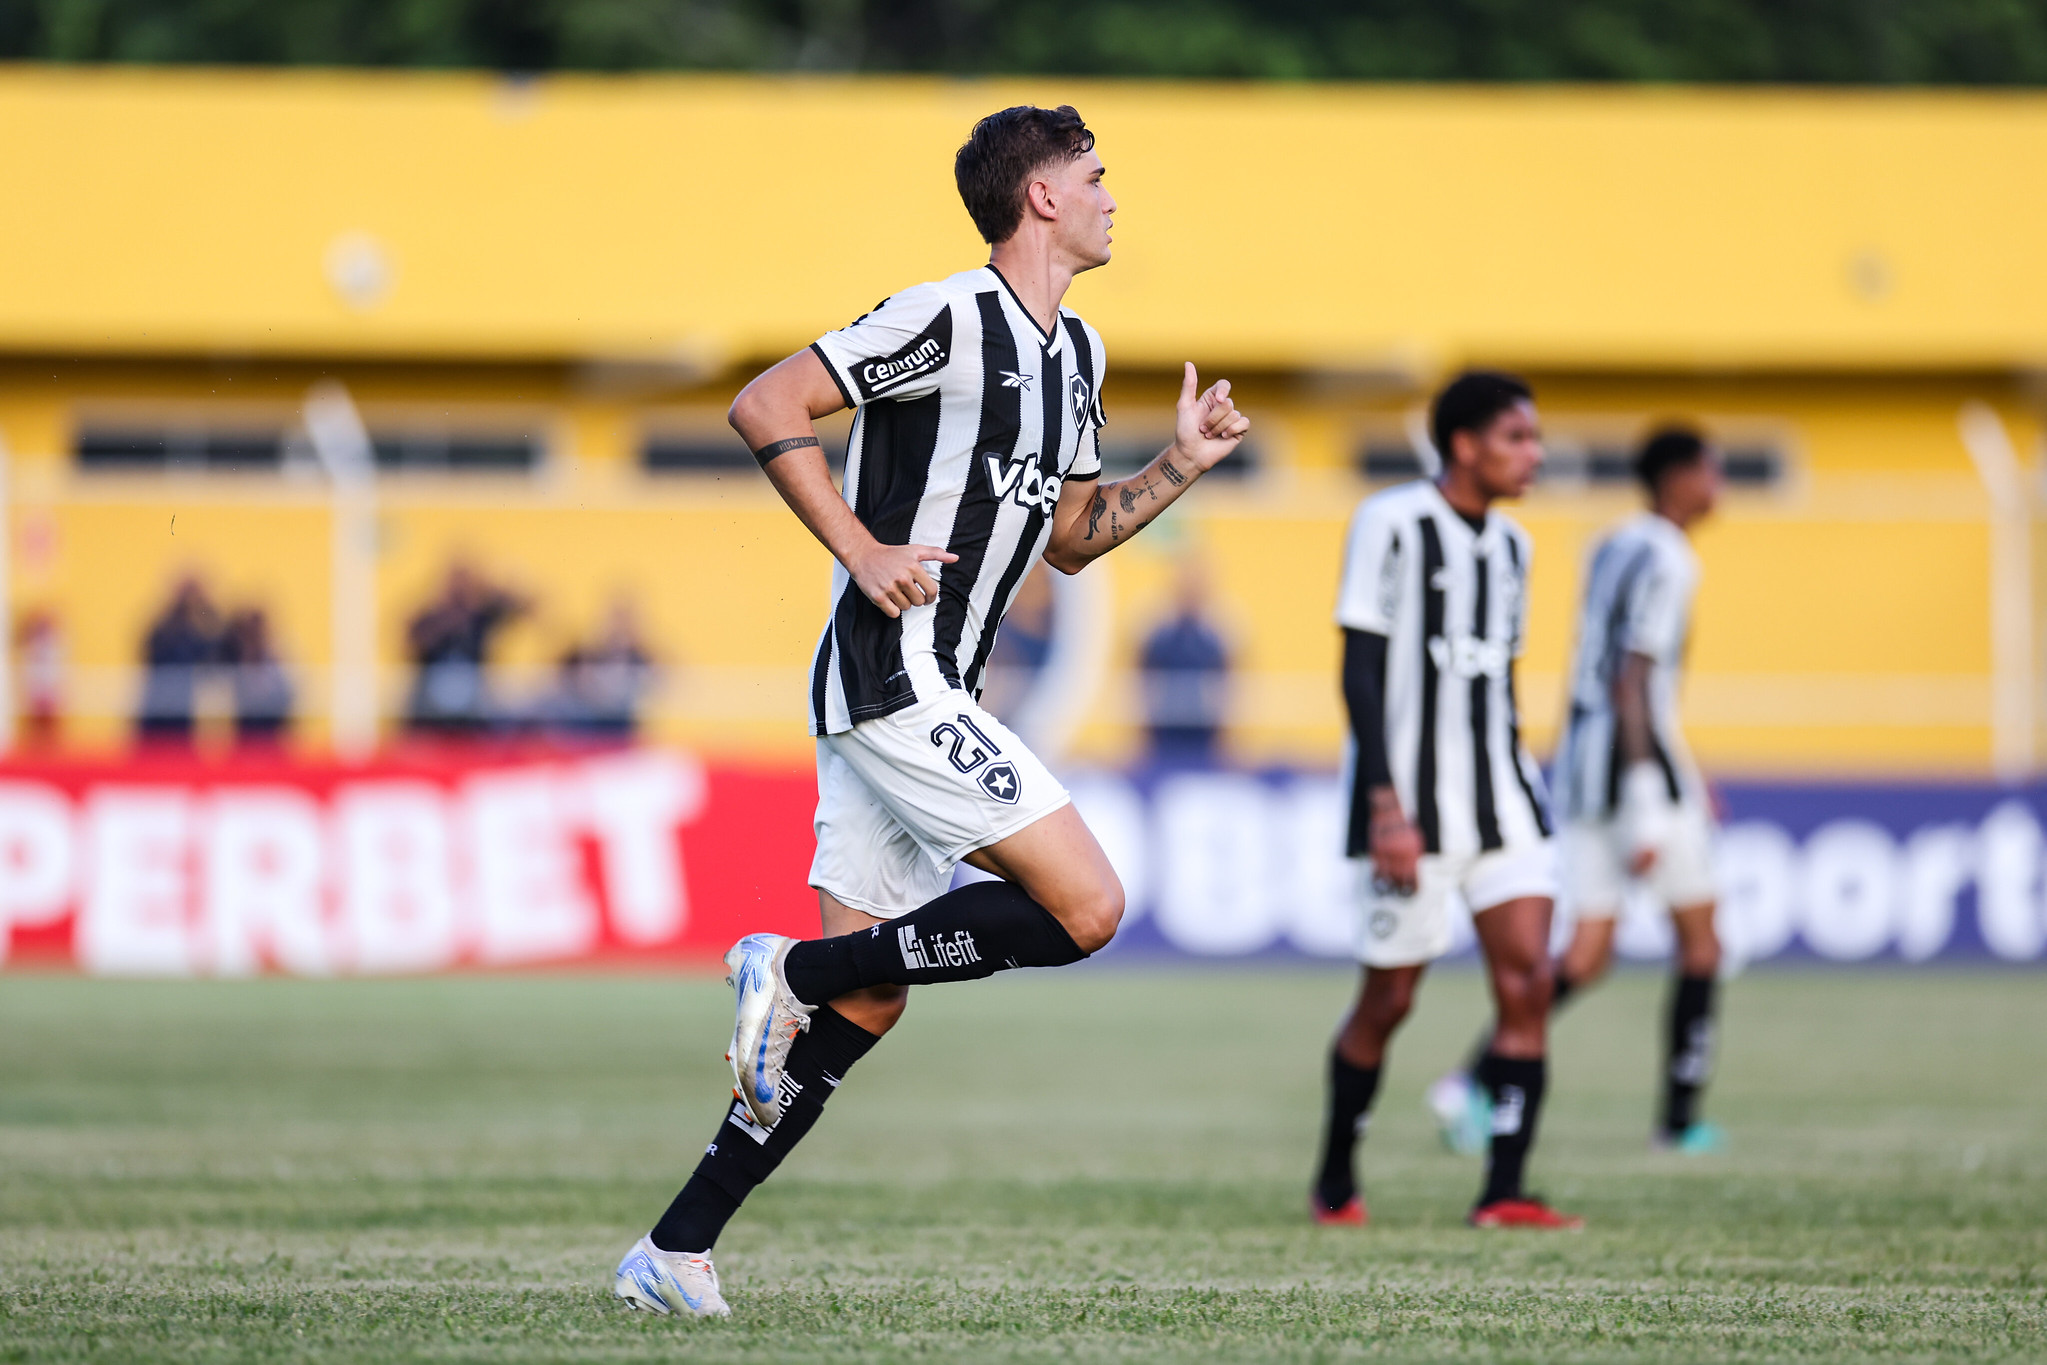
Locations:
{"points": [[1023, 485], [940, 950], [925, 354]]}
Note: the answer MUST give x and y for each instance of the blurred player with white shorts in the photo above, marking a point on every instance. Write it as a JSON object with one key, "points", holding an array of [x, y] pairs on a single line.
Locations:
{"points": [[1445, 800]]}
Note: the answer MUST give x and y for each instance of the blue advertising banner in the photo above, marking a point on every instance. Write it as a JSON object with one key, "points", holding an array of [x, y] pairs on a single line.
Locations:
{"points": [[1224, 865]]}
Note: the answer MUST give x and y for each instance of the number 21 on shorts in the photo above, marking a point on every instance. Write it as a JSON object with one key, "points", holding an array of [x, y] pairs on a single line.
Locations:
{"points": [[999, 780]]}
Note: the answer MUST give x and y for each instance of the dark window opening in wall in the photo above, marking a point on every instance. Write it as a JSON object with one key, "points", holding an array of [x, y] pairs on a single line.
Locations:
{"points": [[1598, 465], [463, 452], [1389, 461], [1748, 465], [134, 447], [1588, 464], [1752, 466]]}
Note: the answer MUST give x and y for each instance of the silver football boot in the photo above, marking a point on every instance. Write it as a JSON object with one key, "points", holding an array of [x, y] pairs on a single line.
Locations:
{"points": [[658, 1281], [766, 1020]]}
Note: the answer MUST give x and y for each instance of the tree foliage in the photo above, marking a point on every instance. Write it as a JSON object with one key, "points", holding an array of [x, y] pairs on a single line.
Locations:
{"points": [[1818, 41]]}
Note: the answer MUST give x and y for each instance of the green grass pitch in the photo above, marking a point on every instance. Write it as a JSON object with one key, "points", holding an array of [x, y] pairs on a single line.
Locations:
{"points": [[1089, 1165]]}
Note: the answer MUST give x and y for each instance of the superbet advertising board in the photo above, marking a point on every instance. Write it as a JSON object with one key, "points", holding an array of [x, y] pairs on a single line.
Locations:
{"points": [[165, 866]]}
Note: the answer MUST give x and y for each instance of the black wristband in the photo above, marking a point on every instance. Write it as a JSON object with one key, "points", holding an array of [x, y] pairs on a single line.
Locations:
{"points": [[773, 448]]}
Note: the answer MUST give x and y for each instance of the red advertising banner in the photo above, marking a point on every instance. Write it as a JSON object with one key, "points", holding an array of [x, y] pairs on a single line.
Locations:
{"points": [[175, 866]]}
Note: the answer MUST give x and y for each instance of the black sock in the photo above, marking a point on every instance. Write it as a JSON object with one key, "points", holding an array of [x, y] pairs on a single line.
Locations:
{"points": [[1561, 989], [1516, 1085], [1350, 1105], [964, 935], [743, 1153], [1688, 1051]]}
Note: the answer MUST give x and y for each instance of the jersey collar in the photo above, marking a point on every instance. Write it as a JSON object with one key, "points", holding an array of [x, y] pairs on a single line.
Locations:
{"points": [[1485, 536], [1049, 342]]}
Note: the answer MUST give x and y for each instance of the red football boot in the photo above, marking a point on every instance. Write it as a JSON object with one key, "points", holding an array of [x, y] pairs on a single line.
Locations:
{"points": [[1351, 1215], [1522, 1213]]}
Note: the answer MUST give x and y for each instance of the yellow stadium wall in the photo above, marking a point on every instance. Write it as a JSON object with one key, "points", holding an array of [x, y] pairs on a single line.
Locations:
{"points": [[692, 220]]}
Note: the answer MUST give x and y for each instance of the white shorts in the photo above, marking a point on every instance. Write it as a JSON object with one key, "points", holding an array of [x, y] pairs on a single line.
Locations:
{"points": [[1596, 864], [902, 798], [1405, 931]]}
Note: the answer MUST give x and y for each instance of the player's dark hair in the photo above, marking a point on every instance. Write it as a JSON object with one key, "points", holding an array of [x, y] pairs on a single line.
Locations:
{"points": [[994, 165], [1668, 447], [1470, 402]]}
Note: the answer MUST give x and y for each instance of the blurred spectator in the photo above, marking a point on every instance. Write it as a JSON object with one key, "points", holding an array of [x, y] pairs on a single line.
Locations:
{"points": [[450, 643], [1021, 648], [181, 645], [39, 645], [1186, 676], [262, 690], [602, 683]]}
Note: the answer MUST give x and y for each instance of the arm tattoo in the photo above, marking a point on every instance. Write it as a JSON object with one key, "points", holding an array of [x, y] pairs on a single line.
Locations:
{"points": [[773, 448], [1173, 476], [1129, 491], [1094, 516]]}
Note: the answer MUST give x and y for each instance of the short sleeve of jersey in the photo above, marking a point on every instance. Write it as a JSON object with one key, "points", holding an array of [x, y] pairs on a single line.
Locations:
{"points": [[1658, 604], [1368, 596], [1087, 460], [900, 350]]}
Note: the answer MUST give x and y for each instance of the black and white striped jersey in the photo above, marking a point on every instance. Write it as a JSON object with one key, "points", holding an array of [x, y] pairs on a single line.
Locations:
{"points": [[970, 420], [1639, 585], [1452, 604]]}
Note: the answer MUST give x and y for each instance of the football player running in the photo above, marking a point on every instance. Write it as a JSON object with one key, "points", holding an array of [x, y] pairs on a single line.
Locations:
{"points": [[974, 453]]}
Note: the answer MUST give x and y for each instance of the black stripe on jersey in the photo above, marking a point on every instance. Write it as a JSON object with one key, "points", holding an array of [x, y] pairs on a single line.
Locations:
{"points": [[1613, 765], [898, 441], [1616, 765], [1426, 817], [974, 521], [1535, 803], [1084, 365], [1085, 422], [1610, 666], [1616, 761], [820, 679], [833, 371], [1663, 761], [1050, 376], [1486, 811]]}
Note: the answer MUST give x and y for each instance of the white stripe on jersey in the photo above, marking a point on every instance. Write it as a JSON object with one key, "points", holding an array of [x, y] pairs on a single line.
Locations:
{"points": [[970, 419], [1452, 604], [1639, 584]]}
